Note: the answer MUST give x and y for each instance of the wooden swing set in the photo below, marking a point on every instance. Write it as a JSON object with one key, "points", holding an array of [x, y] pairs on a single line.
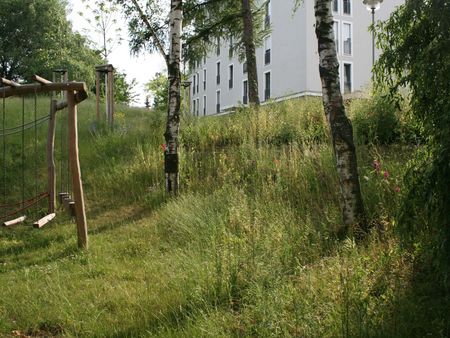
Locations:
{"points": [[74, 93]]}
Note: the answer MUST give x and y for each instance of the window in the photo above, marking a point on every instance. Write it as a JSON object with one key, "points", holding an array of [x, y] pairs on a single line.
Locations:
{"points": [[193, 82], [204, 79], [347, 8], [267, 86], [267, 49], [218, 102], [347, 38], [231, 76], [193, 107], [336, 35], [204, 105], [198, 106], [244, 67], [198, 82], [218, 73], [230, 50], [268, 11], [347, 78], [335, 6], [245, 92], [218, 47]]}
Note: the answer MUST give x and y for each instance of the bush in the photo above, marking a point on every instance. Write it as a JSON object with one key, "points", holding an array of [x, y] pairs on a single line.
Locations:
{"points": [[375, 120]]}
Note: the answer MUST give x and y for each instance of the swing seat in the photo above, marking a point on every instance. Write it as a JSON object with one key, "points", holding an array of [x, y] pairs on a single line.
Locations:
{"points": [[12, 222], [43, 221]]}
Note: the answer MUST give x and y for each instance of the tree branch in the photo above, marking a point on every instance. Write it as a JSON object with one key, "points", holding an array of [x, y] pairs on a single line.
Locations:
{"points": [[152, 32]]}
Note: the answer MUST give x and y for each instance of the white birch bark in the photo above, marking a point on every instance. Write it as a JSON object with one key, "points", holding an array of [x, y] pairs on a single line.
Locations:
{"points": [[341, 129], [173, 114]]}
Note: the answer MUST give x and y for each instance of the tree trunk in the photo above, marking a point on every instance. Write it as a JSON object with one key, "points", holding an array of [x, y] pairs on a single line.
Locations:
{"points": [[173, 115], [341, 129], [250, 53]]}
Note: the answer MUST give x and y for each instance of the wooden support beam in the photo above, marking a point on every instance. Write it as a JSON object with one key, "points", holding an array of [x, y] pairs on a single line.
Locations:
{"points": [[41, 80], [39, 88], [80, 212], [18, 220], [44, 220], [50, 154], [9, 83], [79, 97]]}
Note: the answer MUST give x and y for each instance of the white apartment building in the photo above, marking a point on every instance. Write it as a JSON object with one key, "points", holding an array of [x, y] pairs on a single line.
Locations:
{"points": [[288, 63]]}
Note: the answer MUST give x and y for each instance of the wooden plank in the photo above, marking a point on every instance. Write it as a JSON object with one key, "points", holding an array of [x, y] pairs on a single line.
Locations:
{"points": [[50, 154], [39, 88], [44, 220], [9, 83], [62, 196], [80, 212], [41, 80], [18, 220]]}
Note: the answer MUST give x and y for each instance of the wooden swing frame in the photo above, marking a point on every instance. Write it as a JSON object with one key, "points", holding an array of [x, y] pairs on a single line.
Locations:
{"points": [[76, 92]]}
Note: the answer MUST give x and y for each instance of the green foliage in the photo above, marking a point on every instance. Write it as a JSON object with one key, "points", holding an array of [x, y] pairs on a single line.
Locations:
{"points": [[102, 17], [206, 21], [159, 90], [375, 120], [36, 38], [123, 90], [417, 56]]}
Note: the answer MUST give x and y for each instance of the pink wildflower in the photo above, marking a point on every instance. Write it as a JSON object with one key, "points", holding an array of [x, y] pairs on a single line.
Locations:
{"points": [[164, 146], [376, 165], [397, 189], [386, 174]]}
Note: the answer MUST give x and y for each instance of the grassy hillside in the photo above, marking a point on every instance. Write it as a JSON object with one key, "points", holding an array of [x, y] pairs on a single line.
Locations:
{"points": [[249, 248]]}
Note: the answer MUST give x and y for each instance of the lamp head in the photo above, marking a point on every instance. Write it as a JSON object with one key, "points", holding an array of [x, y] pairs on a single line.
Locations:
{"points": [[372, 5]]}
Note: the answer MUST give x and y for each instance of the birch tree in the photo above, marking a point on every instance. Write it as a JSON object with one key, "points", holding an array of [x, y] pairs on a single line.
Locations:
{"points": [[341, 128], [241, 21], [151, 31]]}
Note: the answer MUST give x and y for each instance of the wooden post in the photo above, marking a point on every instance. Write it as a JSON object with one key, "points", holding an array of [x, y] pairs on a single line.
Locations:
{"points": [[65, 79], [111, 96], [97, 95], [106, 96], [51, 168], [80, 213]]}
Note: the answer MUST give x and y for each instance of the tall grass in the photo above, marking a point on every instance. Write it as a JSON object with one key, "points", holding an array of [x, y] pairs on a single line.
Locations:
{"points": [[248, 248]]}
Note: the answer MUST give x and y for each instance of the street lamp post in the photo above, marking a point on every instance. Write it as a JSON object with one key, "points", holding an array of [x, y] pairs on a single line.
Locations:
{"points": [[372, 6]]}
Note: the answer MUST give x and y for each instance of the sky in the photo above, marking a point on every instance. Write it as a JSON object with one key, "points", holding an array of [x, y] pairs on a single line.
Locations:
{"points": [[142, 67]]}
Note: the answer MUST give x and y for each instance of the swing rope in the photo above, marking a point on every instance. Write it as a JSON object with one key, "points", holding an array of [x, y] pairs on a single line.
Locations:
{"points": [[4, 147], [23, 149], [36, 175], [24, 204]]}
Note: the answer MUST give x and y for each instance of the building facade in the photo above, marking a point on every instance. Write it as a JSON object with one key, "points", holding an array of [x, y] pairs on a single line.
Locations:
{"points": [[288, 62]]}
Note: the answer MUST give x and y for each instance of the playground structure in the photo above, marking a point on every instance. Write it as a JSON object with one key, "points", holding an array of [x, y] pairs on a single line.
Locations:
{"points": [[74, 93], [108, 73]]}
